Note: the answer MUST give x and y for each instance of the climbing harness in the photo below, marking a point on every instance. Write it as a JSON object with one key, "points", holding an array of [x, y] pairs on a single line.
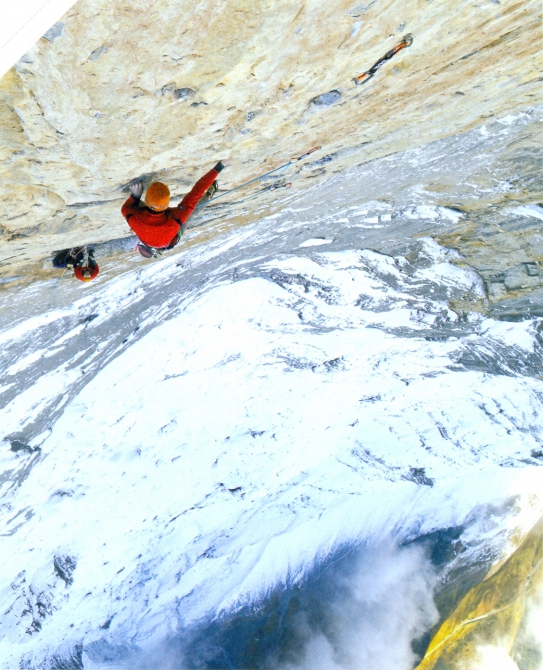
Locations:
{"points": [[274, 186], [68, 257], [77, 253], [366, 76]]}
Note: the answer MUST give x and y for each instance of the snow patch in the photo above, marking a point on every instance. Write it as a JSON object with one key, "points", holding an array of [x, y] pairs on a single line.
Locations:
{"points": [[315, 242], [268, 423], [535, 211], [432, 213]]}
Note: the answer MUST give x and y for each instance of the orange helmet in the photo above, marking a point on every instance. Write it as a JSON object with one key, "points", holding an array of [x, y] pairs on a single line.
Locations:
{"points": [[157, 196]]}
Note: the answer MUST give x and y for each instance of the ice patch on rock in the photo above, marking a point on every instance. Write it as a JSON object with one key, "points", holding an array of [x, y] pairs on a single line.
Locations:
{"points": [[529, 210], [54, 32], [327, 99], [315, 242], [355, 28], [432, 213]]}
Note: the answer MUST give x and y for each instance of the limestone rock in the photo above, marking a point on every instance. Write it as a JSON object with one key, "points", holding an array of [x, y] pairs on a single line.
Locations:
{"points": [[81, 114]]}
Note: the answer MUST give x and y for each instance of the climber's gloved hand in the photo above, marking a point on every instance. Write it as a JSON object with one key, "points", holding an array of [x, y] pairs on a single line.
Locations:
{"points": [[136, 188], [220, 166]]}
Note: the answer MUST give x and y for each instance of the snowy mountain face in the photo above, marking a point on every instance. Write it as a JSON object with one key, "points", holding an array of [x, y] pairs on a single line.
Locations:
{"points": [[310, 437], [295, 443]]}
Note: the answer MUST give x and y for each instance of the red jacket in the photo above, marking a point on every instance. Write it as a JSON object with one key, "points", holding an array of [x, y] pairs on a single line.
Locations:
{"points": [[157, 229]]}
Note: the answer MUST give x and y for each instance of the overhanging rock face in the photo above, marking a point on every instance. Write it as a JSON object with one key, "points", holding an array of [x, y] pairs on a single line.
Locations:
{"points": [[119, 89]]}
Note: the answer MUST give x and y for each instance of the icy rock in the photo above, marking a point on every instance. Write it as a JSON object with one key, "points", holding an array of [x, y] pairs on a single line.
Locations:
{"points": [[184, 93], [95, 55], [326, 99], [167, 89], [355, 28], [418, 476], [315, 242], [55, 32], [530, 210]]}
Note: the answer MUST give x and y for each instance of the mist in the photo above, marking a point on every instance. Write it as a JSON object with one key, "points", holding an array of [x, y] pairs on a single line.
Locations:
{"points": [[382, 604]]}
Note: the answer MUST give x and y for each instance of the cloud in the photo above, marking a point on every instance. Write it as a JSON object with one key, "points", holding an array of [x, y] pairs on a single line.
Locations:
{"points": [[493, 657], [363, 611], [527, 647], [374, 614]]}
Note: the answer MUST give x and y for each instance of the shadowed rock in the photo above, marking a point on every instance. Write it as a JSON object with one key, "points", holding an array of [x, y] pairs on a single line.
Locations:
{"points": [[418, 476], [95, 55], [17, 445], [184, 93], [64, 567]]}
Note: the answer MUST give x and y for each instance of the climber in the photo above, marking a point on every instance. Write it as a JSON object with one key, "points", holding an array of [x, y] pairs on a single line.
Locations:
{"points": [[81, 259], [157, 225]]}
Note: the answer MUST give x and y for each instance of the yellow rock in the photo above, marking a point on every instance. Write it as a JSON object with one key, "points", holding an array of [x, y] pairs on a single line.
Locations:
{"points": [[492, 613]]}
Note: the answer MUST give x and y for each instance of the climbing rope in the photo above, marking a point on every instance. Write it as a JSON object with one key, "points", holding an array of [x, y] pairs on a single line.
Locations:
{"points": [[274, 186], [366, 76], [361, 79]]}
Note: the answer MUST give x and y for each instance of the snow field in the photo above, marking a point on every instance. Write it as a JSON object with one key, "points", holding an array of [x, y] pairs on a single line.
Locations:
{"points": [[268, 424]]}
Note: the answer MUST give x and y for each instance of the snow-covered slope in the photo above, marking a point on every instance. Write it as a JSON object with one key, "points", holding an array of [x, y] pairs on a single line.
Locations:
{"points": [[189, 435]]}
